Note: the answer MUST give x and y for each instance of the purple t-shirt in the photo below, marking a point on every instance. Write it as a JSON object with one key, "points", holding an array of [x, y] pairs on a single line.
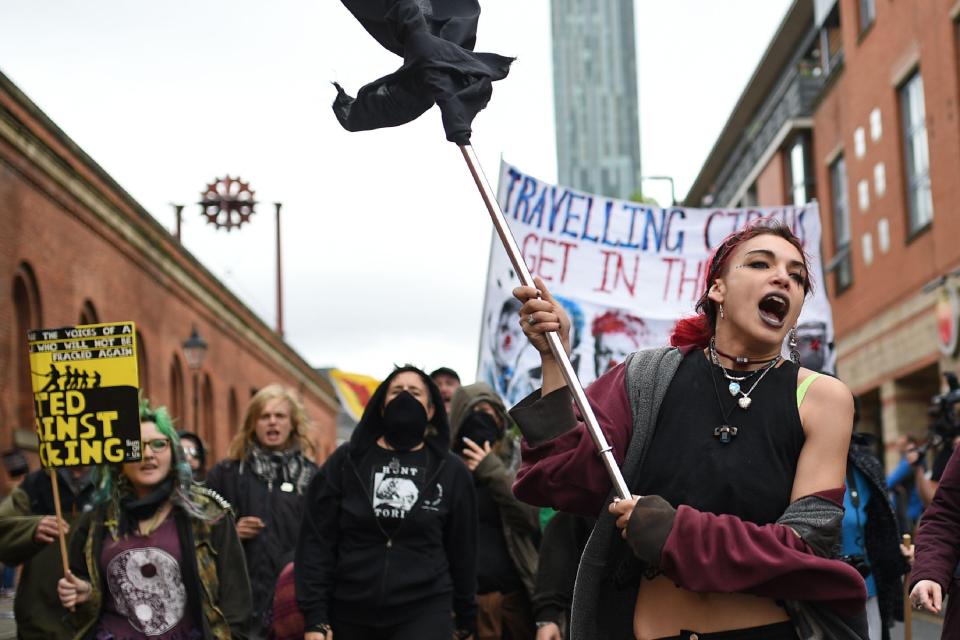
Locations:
{"points": [[146, 597]]}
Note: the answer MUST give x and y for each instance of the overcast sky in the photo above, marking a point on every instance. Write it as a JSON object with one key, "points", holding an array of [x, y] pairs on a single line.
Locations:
{"points": [[385, 237]]}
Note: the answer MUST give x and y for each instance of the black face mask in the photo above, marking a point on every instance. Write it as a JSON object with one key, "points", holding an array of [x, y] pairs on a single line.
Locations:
{"points": [[479, 427], [404, 422]]}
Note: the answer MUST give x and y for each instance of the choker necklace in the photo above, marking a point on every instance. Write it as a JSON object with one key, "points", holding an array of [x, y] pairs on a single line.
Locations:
{"points": [[740, 359], [734, 387]]}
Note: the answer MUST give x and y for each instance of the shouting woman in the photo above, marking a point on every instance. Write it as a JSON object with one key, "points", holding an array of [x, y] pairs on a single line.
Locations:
{"points": [[736, 457]]}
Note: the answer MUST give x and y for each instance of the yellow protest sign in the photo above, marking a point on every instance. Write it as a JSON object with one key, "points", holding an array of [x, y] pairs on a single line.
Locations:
{"points": [[85, 386]]}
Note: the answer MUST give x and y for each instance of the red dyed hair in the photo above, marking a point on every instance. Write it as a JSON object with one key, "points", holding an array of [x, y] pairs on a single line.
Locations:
{"points": [[697, 330], [614, 321]]}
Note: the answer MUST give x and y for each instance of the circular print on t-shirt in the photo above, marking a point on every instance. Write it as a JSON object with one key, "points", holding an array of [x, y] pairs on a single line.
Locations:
{"points": [[147, 588]]}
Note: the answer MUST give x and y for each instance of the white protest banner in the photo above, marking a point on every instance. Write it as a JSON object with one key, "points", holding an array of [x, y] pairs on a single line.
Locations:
{"points": [[625, 272]]}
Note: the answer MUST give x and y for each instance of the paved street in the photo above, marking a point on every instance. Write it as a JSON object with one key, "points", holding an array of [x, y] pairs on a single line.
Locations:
{"points": [[924, 627], [8, 629]]}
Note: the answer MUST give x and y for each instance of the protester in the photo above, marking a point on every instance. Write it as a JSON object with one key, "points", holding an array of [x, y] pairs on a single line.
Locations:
{"points": [[196, 455], [870, 541], [738, 454], [28, 537], [159, 555], [902, 482], [937, 552], [448, 381], [508, 529], [388, 545], [562, 543], [12, 472], [265, 478]]}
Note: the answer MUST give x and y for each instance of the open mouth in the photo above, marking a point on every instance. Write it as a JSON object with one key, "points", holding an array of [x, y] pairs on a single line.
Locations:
{"points": [[774, 308]]}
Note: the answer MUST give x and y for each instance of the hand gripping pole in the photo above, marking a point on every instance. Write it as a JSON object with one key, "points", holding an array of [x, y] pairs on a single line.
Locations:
{"points": [[553, 338]]}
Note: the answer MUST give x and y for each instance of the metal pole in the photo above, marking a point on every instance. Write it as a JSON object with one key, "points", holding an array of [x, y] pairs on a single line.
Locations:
{"points": [[178, 210], [907, 605], [553, 338], [196, 403], [279, 276]]}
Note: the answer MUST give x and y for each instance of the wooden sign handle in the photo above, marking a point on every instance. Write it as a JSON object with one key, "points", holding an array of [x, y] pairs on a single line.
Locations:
{"points": [[59, 513]]}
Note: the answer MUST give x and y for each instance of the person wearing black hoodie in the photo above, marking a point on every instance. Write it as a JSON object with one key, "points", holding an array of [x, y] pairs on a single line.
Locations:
{"points": [[387, 547]]}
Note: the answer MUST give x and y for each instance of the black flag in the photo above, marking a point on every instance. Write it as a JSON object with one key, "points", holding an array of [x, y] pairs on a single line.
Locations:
{"points": [[435, 39]]}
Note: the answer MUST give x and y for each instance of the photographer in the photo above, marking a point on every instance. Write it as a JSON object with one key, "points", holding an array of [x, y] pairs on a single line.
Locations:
{"points": [[944, 438], [509, 530]]}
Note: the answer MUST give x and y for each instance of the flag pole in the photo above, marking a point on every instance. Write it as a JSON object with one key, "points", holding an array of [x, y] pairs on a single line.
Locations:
{"points": [[553, 338]]}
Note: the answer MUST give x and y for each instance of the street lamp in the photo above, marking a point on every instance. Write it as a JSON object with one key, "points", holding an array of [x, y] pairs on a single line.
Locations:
{"points": [[673, 193], [194, 350]]}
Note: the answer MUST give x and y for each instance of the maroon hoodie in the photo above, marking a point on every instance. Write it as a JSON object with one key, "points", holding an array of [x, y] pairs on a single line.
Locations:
{"points": [[938, 544]]}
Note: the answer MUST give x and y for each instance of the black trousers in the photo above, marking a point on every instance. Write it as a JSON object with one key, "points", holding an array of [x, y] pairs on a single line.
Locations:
{"points": [[779, 631], [429, 626]]}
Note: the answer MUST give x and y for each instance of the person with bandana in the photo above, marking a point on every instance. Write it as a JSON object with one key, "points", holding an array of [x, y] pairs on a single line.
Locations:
{"points": [[158, 556], [387, 548], [264, 478]]}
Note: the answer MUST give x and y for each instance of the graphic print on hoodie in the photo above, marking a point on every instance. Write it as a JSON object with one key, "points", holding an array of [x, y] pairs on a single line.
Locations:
{"points": [[396, 482]]}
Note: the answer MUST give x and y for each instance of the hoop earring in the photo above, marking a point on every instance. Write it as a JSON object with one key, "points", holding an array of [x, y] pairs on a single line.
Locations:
{"points": [[721, 311], [794, 353]]}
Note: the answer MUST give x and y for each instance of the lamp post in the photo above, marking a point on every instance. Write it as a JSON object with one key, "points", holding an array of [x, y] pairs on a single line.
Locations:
{"points": [[673, 193], [194, 350]]}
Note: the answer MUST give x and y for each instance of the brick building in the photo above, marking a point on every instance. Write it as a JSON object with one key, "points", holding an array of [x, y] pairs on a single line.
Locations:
{"points": [[855, 104], [76, 248]]}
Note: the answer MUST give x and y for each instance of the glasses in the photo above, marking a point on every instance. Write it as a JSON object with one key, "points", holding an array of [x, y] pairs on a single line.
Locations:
{"points": [[191, 452], [158, 444]]}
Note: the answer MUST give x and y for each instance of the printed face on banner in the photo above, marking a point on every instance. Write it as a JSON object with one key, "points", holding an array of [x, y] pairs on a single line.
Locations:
{"points": [[625, 273], [85, 386]]}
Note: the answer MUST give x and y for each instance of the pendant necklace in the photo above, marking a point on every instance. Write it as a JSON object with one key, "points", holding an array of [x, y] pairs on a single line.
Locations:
{"points": [[734, 386], [725, 432]]}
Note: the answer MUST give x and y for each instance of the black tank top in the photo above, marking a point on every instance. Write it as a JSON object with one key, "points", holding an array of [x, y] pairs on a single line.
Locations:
{"points": [[751, 476]]}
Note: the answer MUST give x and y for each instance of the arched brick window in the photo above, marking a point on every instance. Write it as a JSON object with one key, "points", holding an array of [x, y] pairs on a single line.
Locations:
{"points": [[88, 313], [27, 316], [143, 366], [233, 413], [208, 429], [176, 404]]}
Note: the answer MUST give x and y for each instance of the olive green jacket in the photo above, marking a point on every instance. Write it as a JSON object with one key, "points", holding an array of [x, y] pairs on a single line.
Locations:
{"points": [[37, 608], [224, 588]]}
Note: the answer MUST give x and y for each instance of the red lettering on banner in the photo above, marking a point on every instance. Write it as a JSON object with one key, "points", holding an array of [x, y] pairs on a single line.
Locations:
{"points": [[680, 282], [539, 253], [619, 273]]}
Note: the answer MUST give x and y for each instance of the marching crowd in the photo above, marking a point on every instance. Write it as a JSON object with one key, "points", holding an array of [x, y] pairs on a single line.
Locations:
{"points": [[437, 518]]}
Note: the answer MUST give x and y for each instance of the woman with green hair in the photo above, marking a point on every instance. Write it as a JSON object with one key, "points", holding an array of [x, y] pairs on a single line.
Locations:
{"points": [[158, 556]]}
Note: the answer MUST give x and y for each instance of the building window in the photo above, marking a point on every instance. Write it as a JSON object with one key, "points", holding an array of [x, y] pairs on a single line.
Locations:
{"points": [[233, 413], [88, 313], [208, 428], [798, 174], [143, 371], [26, 316], [841, 264], [176, 405], [917, 161], [868, 13]]}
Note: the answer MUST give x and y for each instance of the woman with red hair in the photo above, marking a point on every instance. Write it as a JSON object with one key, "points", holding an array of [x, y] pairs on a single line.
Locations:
{"points": [[736, 457]]}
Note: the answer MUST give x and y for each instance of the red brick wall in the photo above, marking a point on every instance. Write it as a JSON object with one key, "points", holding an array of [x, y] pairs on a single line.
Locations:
{"points": [[902, 32], [771, 183], [76, 257]]}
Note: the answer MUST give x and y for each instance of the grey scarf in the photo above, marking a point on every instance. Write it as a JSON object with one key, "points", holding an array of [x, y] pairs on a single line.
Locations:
{"points": [[280, 466]]}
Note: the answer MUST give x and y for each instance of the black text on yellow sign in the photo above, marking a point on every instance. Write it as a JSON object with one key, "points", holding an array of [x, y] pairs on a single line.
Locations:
{"points": [[85, 383]]}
